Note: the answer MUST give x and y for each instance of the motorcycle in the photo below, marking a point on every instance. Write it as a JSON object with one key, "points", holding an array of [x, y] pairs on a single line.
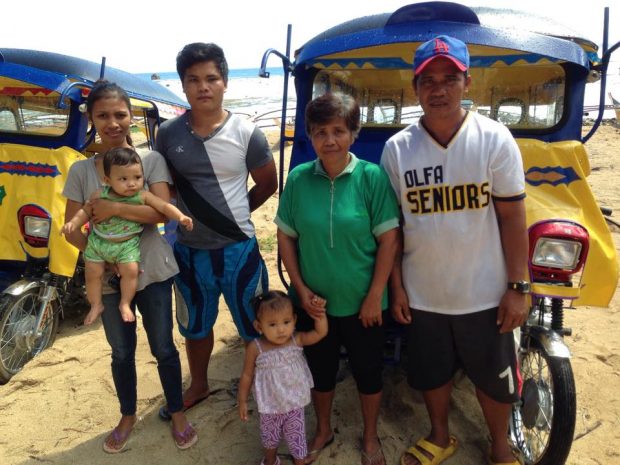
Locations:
{"points": [[542, 424], [30, 310], [534, 84], [43, 131]]}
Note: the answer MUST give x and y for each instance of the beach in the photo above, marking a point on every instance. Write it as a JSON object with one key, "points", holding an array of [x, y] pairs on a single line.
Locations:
{"points": [[59, 409], [247, 94]]}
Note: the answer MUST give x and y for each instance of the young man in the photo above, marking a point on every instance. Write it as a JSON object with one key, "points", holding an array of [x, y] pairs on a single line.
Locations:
{"points": [[210, 153], [460, 182]]}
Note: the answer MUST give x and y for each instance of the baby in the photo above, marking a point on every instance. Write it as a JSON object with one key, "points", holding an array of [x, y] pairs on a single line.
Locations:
{"points": [[117, 240]]}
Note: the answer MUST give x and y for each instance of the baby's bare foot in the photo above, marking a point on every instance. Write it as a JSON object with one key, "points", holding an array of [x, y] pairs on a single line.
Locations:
{"points": [[93, 314], [126, 313]]}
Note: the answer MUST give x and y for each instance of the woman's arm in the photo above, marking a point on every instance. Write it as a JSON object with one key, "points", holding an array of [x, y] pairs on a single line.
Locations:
{"points": [[371, 312], [75, 237], [104, 209], [78, 220], [288, 251], [81, 217], [399, 302], [245, 382]]}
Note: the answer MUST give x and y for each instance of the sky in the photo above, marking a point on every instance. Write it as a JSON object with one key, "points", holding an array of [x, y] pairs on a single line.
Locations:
{"points": [[144, 39]]}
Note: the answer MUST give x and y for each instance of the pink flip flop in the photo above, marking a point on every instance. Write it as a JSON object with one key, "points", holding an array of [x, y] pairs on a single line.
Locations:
{"points": [[186, 438], [118, 438], [277, 462]]}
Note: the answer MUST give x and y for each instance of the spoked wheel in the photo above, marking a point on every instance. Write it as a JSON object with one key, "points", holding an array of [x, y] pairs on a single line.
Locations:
{"points": [[542, 426], [19, 342]]}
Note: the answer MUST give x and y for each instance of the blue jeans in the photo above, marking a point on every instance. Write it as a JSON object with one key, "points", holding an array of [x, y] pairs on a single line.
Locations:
{"points": [[155, 305]]}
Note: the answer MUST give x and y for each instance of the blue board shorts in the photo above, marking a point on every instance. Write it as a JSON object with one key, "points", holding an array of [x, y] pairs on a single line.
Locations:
{"points": [[237, 271]]}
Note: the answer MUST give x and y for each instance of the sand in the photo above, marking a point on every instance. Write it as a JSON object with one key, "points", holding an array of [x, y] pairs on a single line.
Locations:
{"points": [[61, 406]]}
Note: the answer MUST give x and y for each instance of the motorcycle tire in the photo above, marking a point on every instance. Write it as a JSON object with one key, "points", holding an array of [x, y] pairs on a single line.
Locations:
{"points": [[17, 319], [542, 426]]}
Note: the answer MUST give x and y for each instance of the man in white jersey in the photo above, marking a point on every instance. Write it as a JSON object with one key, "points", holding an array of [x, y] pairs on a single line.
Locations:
{"points": [[459, 179], [210, 153]]}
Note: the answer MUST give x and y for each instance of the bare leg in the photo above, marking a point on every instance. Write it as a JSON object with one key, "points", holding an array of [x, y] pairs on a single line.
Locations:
{"points": [[269, 456], [323, 409], [93, 272], [497, 415], [198, 356], [437, 405], [371, 403], [129, 285]]}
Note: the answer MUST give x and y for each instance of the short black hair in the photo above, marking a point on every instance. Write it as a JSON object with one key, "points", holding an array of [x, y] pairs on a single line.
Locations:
{"points": [[328, 106], [199, 52], [120, 156]]}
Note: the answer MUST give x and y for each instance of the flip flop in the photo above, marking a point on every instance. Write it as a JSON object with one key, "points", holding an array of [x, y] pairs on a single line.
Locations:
{"points": [[118, 438], [165, 415], [372, 459], [277, 462], [186, 438], [317, 452]]}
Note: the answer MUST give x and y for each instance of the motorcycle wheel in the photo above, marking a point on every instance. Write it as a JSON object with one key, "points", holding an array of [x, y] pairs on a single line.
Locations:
{"points": [[18, 343], [542, 426]]}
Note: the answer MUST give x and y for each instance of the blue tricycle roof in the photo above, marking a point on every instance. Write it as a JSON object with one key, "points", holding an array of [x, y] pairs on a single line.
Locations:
{"points": [[478, 26], [53, 71]]}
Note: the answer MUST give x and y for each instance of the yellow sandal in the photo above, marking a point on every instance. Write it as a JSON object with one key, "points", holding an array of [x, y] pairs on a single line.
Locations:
{"points": [[438, 454]]}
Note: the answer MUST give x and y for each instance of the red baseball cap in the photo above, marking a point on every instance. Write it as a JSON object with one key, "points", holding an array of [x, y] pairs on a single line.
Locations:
{"points": [[441, 46]]}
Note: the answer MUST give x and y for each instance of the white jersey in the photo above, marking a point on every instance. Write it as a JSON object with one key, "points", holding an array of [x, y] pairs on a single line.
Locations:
{"points": [[453, 261]]}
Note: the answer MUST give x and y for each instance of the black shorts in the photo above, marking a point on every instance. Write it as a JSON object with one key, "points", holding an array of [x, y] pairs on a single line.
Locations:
{"points": [[364, 348], [440, 344]]}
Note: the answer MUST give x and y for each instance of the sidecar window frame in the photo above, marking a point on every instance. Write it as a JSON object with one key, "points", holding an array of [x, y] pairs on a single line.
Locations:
{"points": [[35, 111], [538, 88]]}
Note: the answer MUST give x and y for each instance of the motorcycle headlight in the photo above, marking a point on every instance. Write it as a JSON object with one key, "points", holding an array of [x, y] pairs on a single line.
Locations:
{"points": [[34, 224], [37, 227], [556, 253]]}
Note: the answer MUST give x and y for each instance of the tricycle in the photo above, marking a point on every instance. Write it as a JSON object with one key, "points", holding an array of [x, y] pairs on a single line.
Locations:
{"points": [[533, 83]]}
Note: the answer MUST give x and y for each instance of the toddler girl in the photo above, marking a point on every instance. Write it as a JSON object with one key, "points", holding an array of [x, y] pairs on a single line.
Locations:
{"points": [[282, 379]]}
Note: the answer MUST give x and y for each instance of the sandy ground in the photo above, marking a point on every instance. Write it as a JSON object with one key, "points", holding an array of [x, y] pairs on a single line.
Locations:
{"points": [[60, 407]]}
